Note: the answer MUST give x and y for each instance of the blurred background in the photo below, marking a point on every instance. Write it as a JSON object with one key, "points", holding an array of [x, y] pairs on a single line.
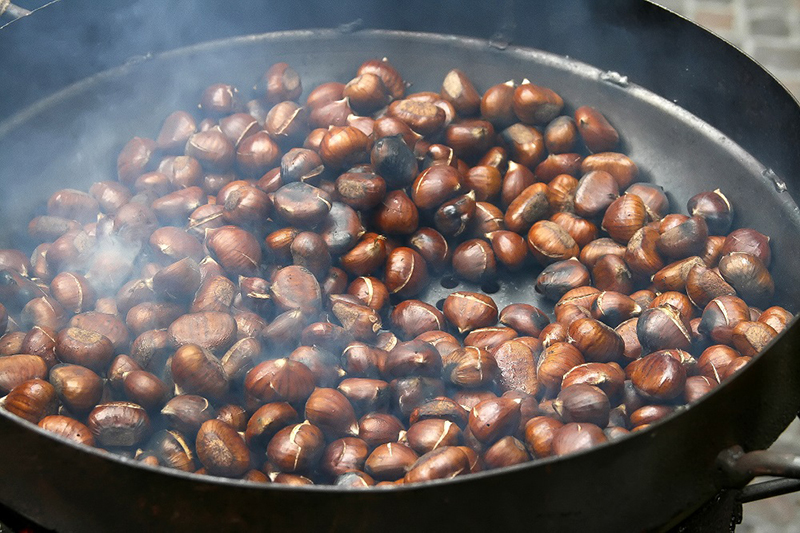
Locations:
{"points": [[766, 30]]}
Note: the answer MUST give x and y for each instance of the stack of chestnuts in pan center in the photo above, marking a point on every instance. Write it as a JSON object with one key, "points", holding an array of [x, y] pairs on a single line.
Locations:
{"points": [[243, 300]]}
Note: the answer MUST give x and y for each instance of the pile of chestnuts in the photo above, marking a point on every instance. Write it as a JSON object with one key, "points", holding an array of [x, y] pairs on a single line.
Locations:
{"points": [[244, 300]]}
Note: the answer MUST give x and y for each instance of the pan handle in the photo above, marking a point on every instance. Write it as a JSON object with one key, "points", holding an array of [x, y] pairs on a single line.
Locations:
{"points": [[740, 467]]}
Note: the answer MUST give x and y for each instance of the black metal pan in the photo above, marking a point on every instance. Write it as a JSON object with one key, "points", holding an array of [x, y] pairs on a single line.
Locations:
{"points": [[649, 480]]}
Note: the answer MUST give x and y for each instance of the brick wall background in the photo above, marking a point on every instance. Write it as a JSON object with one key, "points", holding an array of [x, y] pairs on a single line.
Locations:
{"points": [[766, 30]]}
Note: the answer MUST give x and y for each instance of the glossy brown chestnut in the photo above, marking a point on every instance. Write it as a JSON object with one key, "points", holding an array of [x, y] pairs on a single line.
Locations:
{"points": [[469, 310], [597, 133], [68, 428], [296, 448], [396, 214], [390, 461], [119, 424], [749, 276], [221, 450], [556, 360], [31, 400], [279, 380], [406, 273], [493, 419], [659, 376]]}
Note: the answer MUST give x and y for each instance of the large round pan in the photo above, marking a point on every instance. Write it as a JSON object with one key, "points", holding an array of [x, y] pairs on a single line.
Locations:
{"points": [[646, 481]]}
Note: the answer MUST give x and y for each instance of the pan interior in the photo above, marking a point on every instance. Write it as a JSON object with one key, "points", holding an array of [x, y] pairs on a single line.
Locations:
{"points": [[73, 138]]}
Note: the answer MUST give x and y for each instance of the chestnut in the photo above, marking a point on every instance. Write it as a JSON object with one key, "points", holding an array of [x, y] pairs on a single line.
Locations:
{"points": [[582, 402], [460, 92], [453, 217], [221, 450], [703, 285], [145, 389], [574, 437], [611, 273], [624, 217], [68, 428], [412, 317], [432, 246], [441, 408], [366, 395], [210, 330], [596, 341], [442, 463], [134, 158], [524, 318], [469, 310], [219, 99], [31, 400], [660, 328], [539, 433], [721, 315], [595, 193], [236, 249], [497, 104], [560, 135], [685, 239], [432, 433], [555, 361], [344, 455], [391, 78], [516, 367], [525, 144], [279, 380], [119, 424], [618, 165], [530, 206], [715, 208], [748, 241], [396, 214], [214, 151], [658, 376], [410, 393], [39, 341], [470, 139], [187, 412], [487, 218], [390, 461], [296, 448], [295, 287], [549, 242], [536, 105], [560, 277], [287, 123], [406, 273], [330, 411], [87, 348], [641, 253], [748, 276], [280, 82], [596, 249], [595, 130], [750, 338], [776, 317], [470, 367], [492, 419], [425, 118], [302, 204], [361, 188]]}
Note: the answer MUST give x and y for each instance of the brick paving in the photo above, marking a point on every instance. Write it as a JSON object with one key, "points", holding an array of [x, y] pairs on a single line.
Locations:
{"points": [[769, 32], [766, 30]]}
